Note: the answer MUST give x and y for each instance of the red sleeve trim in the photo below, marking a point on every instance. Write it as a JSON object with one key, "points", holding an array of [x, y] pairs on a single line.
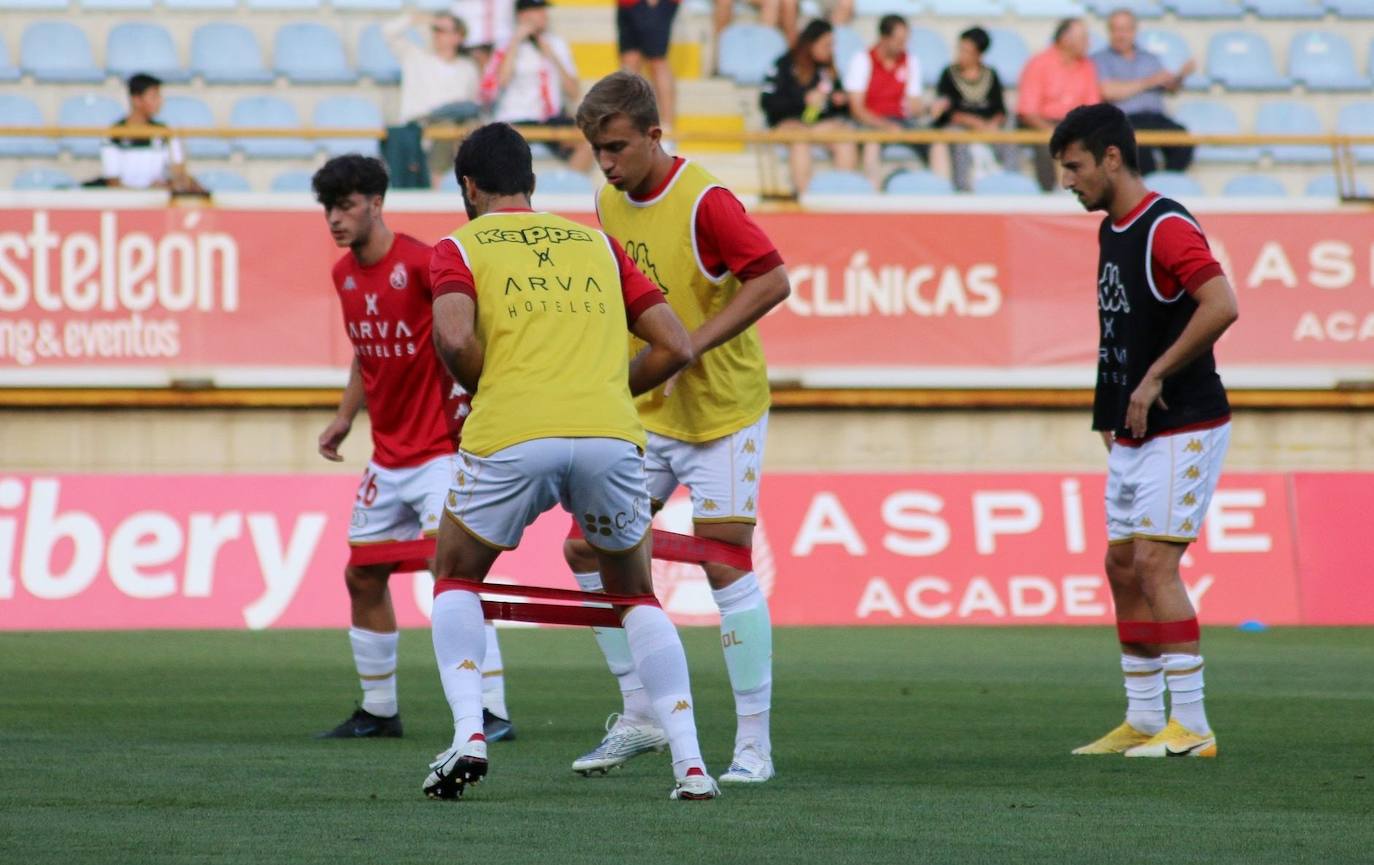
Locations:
{"points": [[456, 288], [641, 304], [1202, 277], [767, 264]]}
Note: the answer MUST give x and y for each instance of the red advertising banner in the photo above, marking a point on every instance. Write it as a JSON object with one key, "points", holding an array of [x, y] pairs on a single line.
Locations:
{"points": [[214, 288], [145, 551]]}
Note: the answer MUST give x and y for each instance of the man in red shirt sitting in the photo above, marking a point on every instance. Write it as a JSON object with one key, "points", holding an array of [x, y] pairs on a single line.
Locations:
{"points": [[1054, 82]]}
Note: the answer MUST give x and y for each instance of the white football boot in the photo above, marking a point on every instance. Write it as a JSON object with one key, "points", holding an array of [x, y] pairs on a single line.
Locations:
{"points": [[453, 770], [751, 765], [696, 786], [623, 741]]}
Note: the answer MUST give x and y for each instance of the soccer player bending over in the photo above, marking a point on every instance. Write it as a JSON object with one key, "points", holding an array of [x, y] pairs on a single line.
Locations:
{"points": [[417, 413], [707, 426], [530, 315], [1162, 303]]}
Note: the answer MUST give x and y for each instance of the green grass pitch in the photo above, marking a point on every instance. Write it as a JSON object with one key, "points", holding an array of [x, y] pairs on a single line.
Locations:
{"points": [[892, 745]]}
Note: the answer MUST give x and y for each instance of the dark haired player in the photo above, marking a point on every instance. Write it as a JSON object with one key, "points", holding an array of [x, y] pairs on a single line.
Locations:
{"points": [[417, 413], [1162, 302]]}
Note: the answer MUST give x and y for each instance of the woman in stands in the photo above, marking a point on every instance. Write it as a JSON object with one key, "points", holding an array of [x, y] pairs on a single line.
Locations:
{"points": [[804, 92], [969, 96]]}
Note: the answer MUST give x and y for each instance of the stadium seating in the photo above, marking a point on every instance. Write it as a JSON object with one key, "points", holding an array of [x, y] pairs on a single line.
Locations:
{"points": [[270, 112], [309, 53], [199, 5], [1007, 54], [1174, 184], [189, 111], [33, 5], [1141, 8], [1214, 118], [1287, 117], [1005, 183], [1325, 185], [1173, 52], [21, 111], [222, 180], [1324, 61], [224, 53], [1287, 9], [118, 5], [933, 52], [1206, 8], [877, 8], [747, 52], [917, 183], [294, 180], [1358, 119], [967, 8], [831, 182], [1253, 185], [58, 51], [1351, 8], [561, 181], [1045, 8], [848, 42], [8, 71], [375, 59], [87, 110], [1241, 60], [285, 5], [368, 5], [43, 177], [348, 112], [133, 47]]}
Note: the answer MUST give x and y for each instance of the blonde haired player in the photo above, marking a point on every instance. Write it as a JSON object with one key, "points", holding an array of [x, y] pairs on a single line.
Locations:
{"points": [[707, 426], [417, 413]]}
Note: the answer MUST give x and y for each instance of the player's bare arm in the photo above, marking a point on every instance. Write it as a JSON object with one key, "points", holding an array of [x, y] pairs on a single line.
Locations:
{"points": [[349, 405], [669, 348], [455, 338], [752, 302], [1216, 311]]}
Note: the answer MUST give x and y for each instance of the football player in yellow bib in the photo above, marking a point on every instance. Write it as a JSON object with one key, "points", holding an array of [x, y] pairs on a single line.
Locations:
{"points": [[706, 426], [530, 315]]}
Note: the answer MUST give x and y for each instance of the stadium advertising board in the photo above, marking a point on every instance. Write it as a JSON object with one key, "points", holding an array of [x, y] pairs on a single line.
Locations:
{"points": [[242, 295], [168, 551]]}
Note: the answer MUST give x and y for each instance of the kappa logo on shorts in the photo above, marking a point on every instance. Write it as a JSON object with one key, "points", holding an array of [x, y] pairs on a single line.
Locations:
{"points": [[749, 505], [1147, 523], [1192, 474], [710, 505], [1187, 526], [453, 498], [682, 706], [1194, 446], [750, 476], [1190, 499], [399, 278], [749, 447]]}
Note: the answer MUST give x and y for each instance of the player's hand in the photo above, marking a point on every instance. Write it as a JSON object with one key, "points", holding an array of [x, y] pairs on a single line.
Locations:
{"points": [[332, 437], [1146, 396]]}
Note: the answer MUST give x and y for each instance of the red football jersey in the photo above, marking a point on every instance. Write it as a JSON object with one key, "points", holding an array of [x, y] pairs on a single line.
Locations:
{"points": [[417, 409]]}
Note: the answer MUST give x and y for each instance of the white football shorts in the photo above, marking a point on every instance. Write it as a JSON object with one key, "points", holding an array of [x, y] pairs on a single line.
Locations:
{"points": [[600, 481], [722, 475], [400, 504], [1160, 491]]}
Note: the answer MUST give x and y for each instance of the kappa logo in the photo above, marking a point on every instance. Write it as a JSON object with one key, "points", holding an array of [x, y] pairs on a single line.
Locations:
{"points": [[1190, 499], [638, 252], [682, 706], [1187, 525], [399, 278], [1193, 473], [535, 234], [1194, 446], [349, 283], [1111, 294], [468, 665]]}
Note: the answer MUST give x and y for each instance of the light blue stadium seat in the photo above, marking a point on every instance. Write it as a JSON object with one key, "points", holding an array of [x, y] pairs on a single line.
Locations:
{"points": [[1351, 8], [848, 42], [274, 113], [1285, 117], [1173, 52], [284, 5], [1358, 119], [188, 111], [1045, 8], [1005, 183], [8, 71], [118, 5], [1173, 184], [748, 52], [1141, 8], [222, 180], [1207, 8], [367, 5], [1253, 186], [562, 181], [933, 52], [1214, 118], [309, 53], [21, 111], [294, 180], [348, 112], [137, 47], [1324, 186], [33, 5], [1287, 9], [224, 53], [1007, 54], [449, 182], [44, 177], [917, 183], [967, 8], [1324, 61], [878, 8], [1241, 60], [831, 182], [58, 51], [200, 5], [375, 59], [87, 110]]}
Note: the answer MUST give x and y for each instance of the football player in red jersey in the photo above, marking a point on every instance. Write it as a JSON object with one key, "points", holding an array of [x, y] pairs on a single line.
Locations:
{"points": [[417, 412]]}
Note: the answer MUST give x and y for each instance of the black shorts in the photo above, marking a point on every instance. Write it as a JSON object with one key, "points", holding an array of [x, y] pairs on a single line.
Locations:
{"points": [[646, 28]]}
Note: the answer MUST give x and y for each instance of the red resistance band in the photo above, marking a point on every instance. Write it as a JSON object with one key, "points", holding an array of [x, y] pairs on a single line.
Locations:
{"points": [[1159, 633]]}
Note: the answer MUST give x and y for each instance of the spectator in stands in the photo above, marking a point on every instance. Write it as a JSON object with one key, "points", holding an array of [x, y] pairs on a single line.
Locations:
{"points": [[884, 86], [804, 92], [489, 23], [532, 79], [145, 163], [438, 84], [1054, 82], [1136, 81], [779, 14], [969, 96], [645, 29]]}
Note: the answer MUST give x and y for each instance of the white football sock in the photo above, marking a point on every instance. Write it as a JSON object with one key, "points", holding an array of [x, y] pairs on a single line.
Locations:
{"points": [[460, 645], [1144, 693], [374, 654], [616, 648], [1184, 676], [746, 634], [494, 677], [662, 666]]}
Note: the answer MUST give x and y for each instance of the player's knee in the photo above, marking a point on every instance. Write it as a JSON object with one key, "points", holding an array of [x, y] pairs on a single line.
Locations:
{"points": [[1154, 566], [1120, 569], [365, 583], [579, 556]]}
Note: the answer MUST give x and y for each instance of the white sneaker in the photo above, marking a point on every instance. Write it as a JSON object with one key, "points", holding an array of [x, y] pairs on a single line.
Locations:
{"points": [[751, 765], [456, 768], [695, 788], [623, 741]]}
